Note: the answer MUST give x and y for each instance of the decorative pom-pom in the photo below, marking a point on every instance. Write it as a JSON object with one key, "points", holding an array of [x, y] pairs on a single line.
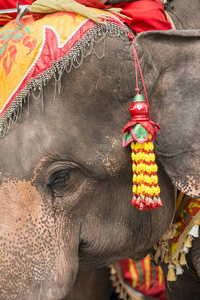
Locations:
{"points": [[184, 249], [179, 270], [146, 192], [194, 231]]}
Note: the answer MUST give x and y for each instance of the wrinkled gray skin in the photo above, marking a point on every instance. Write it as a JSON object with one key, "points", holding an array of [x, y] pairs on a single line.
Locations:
{"points": [[66, 180], [185, 15]]}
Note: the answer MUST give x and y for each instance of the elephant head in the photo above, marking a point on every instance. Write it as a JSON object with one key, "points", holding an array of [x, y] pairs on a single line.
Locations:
{"points": [[66, 182]]}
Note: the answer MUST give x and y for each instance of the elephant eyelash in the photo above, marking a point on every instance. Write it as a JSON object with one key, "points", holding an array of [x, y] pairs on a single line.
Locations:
{"points": [[65, 182], [59, 177], [58, 171], [64, 177]]}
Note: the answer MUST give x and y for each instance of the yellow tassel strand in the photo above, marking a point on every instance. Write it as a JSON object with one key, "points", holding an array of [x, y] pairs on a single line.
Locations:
{"points": [[146, 192]]}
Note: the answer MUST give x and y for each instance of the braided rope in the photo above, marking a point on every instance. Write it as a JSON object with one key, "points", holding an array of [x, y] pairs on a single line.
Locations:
{"points": [[170, 20]]}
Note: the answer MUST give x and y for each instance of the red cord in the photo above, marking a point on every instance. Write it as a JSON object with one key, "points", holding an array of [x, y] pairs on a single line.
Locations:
{"points": [[137, 64]]}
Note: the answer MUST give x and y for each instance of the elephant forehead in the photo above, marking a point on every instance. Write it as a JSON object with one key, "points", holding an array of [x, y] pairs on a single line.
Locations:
{"points": [[70, 140], [83, 123]]}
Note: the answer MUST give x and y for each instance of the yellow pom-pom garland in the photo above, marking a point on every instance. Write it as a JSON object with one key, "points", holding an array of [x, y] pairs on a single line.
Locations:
{"points": [[146, 192], [139, 133]]}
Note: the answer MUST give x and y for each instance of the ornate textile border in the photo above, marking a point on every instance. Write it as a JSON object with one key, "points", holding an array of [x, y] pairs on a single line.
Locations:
{"points": [[187, 222], [134, 279]]}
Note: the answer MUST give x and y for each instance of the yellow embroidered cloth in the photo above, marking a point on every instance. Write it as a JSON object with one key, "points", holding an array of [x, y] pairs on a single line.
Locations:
{"points": [[29, 52]]}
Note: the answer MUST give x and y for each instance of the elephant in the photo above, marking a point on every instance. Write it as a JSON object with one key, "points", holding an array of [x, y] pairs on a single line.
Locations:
{"points": [[143, 42], [66, 183], [182, 17]]}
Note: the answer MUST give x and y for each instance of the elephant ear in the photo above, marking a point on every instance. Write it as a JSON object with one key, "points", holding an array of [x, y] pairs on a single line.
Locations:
{"points": [[171, 63]]}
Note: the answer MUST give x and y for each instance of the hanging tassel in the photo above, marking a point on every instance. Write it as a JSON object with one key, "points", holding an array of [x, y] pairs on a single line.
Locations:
{"points": [[115, 282], [171, 273], [183, 259], [188, 242], [121, 295], [140, 132], [118, 289]]}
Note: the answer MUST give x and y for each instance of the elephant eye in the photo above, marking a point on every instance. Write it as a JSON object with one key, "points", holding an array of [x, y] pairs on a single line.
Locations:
{"points": [[64, 178], [59, 177]]}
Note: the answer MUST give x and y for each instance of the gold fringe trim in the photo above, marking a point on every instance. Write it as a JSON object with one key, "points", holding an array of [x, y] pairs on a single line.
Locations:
{"points": [[125, 291], [163, 251], [184, 236], [178, 258]]}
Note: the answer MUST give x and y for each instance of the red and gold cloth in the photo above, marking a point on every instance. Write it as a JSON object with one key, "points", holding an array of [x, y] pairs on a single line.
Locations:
{"points": [[187, 221], [144, 277], [188, 217]]}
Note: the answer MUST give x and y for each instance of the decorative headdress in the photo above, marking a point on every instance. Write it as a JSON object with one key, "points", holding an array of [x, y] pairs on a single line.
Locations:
{"points": [[140, 132], [42, 49]]}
